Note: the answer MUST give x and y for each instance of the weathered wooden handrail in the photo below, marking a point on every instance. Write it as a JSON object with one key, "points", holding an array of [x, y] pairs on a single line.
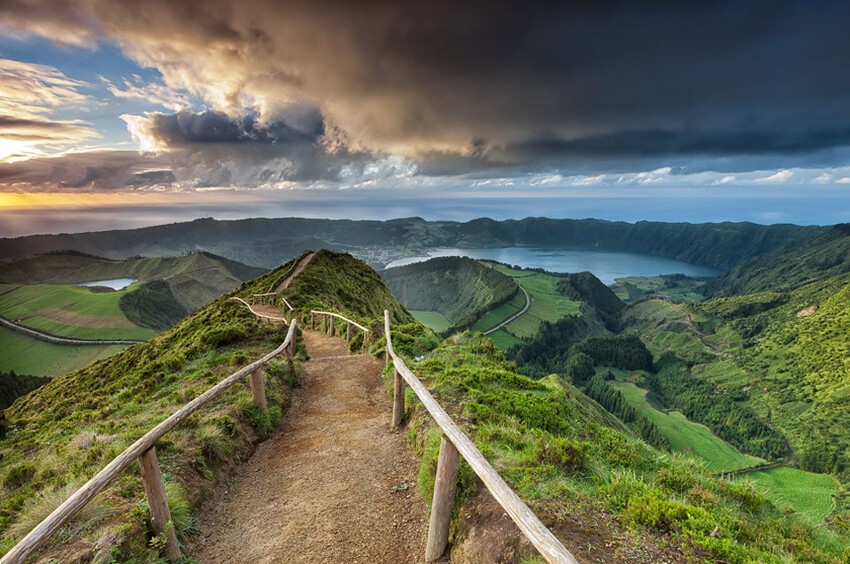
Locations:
{"points": [[338, 316], [329, 326], [258, 314], [142, 449], [455, 441]]}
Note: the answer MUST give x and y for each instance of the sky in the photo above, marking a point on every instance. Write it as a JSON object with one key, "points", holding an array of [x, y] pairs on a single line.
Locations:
{"points": [[123, 113]]}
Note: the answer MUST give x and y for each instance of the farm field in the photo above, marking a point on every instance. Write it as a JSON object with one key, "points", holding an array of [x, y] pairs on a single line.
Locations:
{"points": [[71, 311], [433, 319], [26, 355], [547, 304], [809, 494], [686, 436], [500, 313]]}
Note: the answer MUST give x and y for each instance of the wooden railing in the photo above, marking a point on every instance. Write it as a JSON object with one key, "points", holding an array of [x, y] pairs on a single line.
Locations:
{"points": [[328, 324], [259, 315], [143, 450], [453, 443]]}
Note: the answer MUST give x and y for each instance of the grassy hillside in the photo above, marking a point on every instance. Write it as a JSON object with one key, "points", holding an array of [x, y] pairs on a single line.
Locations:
{"points": [[547, 302], [459, 288], [826, 256], [569, 459], [39, 293], [195, 279], [791, 352], [64, 432]]}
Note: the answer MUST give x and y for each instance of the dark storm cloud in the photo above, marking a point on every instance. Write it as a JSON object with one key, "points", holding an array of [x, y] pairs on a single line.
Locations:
{"points": [[187, 128], [493, 83]]}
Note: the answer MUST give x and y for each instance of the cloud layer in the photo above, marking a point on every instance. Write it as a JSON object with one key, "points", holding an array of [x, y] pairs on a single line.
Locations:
{"points": [[313, 90]]}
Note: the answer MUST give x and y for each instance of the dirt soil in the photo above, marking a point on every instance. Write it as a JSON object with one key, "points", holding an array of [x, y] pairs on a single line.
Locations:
{"points": [[298, 268], [335, 484]]}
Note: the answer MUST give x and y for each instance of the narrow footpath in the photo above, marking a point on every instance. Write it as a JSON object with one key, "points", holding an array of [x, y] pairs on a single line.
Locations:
{"points": [[333, 485]]}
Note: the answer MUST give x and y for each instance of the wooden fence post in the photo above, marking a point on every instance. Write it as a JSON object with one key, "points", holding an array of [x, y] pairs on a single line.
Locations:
{"points": [[398, 398], [443, 502], [160, 516], [348, 331], [293, 344], [312, 321], [258, 388], [333, 324]]}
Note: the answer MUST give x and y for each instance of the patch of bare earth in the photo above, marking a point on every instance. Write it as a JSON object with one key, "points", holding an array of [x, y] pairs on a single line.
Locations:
{"points": [[298, 268], [333, 485]]}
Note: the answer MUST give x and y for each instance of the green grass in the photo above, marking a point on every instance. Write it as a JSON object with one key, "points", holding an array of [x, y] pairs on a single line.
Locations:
{"points": [[25, 304], [809, 494], [26, 355], [560, 452], [499, 314], [633, 288], [433, 319], [547, 304], [686, 436], [503, 339]]}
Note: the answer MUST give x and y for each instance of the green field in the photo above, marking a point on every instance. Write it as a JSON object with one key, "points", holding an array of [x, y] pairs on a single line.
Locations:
{"points": [[71, 311], [503, 339], [547, 304], [499, 314], [809, 494], [26, 355], [433, 319], [686, 436], [633, 288]]}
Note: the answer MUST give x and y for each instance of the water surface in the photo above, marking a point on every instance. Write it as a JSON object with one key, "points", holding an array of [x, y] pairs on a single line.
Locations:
{"points": [[605, 265], [115, 283]]}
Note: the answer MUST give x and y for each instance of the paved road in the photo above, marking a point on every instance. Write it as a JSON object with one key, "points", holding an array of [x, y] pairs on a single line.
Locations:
{"points": [[64, 340], [514, 316]]}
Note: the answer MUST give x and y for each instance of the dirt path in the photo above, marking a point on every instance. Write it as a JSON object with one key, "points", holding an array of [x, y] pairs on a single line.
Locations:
{"points": [[298, 268], [334, 485]]}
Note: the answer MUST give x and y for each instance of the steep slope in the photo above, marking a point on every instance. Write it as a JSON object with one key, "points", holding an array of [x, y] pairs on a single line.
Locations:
{"points": [[608, 495], [87, 417], [791, 352], [460, 288], [823, 257]]}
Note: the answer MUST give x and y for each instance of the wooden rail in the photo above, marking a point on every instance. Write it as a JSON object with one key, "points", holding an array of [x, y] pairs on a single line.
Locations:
{"points": [[143, 449], [329, 325], [454, 442], [259, 315]]}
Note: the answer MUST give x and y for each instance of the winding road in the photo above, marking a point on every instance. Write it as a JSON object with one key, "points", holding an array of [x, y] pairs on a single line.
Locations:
{"points": [[64, 340], [514, 316]]}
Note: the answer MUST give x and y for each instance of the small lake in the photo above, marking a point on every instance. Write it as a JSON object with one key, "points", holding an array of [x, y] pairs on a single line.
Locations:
{"points": [[607, 266], [115, 283]]}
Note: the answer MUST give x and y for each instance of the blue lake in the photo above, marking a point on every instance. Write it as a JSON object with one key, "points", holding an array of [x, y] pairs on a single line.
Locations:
{"points": [[115, 283], [607, 266]]}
